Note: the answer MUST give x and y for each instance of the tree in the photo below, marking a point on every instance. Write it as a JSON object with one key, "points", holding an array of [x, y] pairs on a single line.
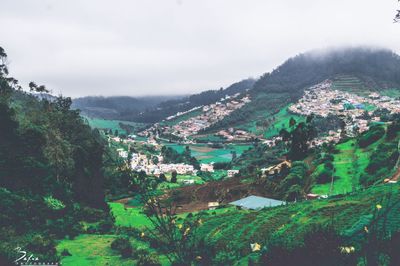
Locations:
{"points": [[162, 177], [177, 239], [123, 246], [397, 16], [292, 122], [35, 88], [174, 177]]}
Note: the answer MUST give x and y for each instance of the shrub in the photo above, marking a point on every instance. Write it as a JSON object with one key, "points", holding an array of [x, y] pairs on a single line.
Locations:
{"points": [[174, 177], [328, 165], [371, 136], [225, 258], [54, 203], [325, 176], [123, 246], [147, 259], [105, 226], [321, 246], [65, 252]]}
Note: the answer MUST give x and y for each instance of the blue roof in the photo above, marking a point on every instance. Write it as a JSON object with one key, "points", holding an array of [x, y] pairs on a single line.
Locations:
{"points": [[257, 203]]}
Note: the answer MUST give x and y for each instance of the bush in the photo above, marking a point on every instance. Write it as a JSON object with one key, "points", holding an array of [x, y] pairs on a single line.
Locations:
{"points": [[105, 226], [371, 136], [123, 246], [174, 177], [328, 165], [225, 258], [222, 165], [321, 247], [144, 258], [65, 252], [325, 176]]}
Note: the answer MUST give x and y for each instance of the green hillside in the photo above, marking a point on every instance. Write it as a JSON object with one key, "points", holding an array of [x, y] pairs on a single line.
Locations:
{"points": [[237, 230], [351, 70], [123, 127]]}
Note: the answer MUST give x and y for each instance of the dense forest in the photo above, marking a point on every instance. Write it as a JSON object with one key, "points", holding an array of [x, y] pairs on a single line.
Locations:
{"points": [[52, 170]]}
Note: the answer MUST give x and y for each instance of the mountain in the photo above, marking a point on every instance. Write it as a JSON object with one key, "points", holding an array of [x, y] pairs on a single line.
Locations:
{"points": [[372, 70], [172, 107], [117, 107], [152, 109]]}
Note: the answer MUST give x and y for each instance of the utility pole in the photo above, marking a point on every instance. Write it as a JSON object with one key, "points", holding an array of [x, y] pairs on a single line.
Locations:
{"points": [[331, 188], [398, 158]]}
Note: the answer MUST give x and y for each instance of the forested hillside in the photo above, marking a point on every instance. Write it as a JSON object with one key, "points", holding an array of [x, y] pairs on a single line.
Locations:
{"points": [[172, 107], [153, 108], [117, 107], [51, 171]]}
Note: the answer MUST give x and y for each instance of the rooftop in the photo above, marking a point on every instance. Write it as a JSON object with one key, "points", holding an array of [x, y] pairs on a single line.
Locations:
{"points": [[256, 202]]}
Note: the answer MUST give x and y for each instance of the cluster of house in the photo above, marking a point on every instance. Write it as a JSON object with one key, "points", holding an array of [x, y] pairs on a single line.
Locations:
{"points": [[210, 115], [142, 162], [237, 135], [273, 170], [131, 139], [323, 101]]}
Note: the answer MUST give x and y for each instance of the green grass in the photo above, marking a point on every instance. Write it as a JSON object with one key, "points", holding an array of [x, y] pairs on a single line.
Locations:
{"points": [[129, 217], [111, 124], [206, 154], [209, 138], [350, 163], [91, 250], [95, 250], [282, 119], [394, 93], [369, 107]]}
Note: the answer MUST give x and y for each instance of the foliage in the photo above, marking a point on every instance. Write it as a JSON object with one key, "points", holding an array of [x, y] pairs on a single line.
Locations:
{"points": [[172, 156], [371, 136], [53, 203], [50, 162], [123, 246], [321, 245], [298, 139]]}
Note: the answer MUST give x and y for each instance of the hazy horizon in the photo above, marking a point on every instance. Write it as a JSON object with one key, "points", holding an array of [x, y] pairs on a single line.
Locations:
{"points": [[154, 48]]}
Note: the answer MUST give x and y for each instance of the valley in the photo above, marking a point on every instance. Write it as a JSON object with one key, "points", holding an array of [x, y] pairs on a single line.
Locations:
{"points": [[254, 174]]}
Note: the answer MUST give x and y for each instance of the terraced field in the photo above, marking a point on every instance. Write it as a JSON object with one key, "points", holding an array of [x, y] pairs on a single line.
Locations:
{"points": [[350, 84], [238, 229]]}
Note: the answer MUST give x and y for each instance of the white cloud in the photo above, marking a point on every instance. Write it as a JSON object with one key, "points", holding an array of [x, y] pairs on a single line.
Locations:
{"points": [[127, 47]]}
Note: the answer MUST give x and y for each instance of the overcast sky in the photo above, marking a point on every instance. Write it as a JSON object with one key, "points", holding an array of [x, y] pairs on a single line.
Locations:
{"points": [[127, 47]]}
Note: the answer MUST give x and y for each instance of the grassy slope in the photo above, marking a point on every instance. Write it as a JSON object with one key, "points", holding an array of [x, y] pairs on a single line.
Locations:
{"points": [[129, 217], [90, 250], [237, 229], [282, 119], [111, 124], [95, 250], [349, 163], [206, 154]]}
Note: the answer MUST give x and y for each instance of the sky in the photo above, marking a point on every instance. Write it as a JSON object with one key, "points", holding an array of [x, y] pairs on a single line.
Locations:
{"points": [[171, 47]]}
